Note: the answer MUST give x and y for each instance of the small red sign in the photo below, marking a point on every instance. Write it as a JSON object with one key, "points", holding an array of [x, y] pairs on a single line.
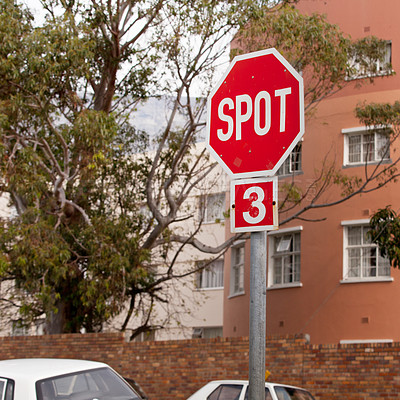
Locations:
{"points": [[254, 204]]}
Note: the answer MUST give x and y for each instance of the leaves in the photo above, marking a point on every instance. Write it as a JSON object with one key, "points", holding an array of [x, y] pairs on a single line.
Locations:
{"points": [[385, 232], [379, 114], [313, 46], [97, 199]]}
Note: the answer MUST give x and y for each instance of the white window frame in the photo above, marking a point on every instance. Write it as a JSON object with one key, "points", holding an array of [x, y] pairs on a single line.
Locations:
{"points": [[216, 200], [293, 163], [272, 236], [211, 277], [236, 286], [363, 131], [360, 279]]}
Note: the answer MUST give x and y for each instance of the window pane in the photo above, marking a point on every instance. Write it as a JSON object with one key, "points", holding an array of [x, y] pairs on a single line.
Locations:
{"points": [[368, 147], [295, 158], [383, 146], [286, 259], [354, 260], [278, 270], [369, 262], [284, 243], [383, 266], [267, 394], [296, 242], [286, 393], [354, 236], [2, 388], [99, 383], [293, 162], [363, 258], [215, 207], [297, 267], [210, 333], [355, 148], [226, 392], [211, 276], [237, 270]]}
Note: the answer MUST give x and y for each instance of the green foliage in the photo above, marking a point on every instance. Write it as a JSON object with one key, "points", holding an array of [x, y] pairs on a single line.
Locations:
{"points": [[367, 58], [385, 232], [379, 114], [313, 46], [383, 118], [96, 207], [348, 184], [293, 193]]}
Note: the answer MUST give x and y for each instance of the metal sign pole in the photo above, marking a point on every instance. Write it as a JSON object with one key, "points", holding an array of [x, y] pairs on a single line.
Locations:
{"points": [[257, 335]]}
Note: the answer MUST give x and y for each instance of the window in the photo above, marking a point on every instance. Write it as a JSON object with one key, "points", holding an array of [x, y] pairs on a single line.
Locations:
{"points": [[211, 276], [284, 263], [292, 163], [97, 383], [366, 145], [214, 207], [237, 271], [6, 389], [287, 393], [267, 394], [363, 66], [19, 328], [362, 260], [147, 336], [207, 332], [40, 325], [226, 392]]}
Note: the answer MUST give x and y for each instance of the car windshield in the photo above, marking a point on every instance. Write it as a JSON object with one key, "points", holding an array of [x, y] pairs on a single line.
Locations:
{"points": [[97, 384], [287, 393]]}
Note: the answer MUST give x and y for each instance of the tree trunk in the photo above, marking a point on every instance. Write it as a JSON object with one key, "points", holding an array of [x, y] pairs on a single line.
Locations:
{"points": [[55, 321]]}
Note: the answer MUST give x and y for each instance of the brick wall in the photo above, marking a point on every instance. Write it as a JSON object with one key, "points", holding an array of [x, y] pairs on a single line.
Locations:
{"points": [[172, 370]]}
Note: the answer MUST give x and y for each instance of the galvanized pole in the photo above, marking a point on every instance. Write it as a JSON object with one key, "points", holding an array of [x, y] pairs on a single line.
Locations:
{"points": [[257, 335]]}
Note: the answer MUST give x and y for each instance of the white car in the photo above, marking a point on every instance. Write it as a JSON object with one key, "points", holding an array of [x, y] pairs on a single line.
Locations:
{"points": [[239, 390], [61, 379]]}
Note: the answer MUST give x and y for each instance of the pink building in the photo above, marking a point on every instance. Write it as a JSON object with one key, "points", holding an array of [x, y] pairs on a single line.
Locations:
{"points": [[324, 278]]}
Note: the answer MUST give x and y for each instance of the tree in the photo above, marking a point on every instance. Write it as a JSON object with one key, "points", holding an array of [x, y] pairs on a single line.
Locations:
{"points": [[324, 55], [385, 223], [385, 232], [98, 200]]}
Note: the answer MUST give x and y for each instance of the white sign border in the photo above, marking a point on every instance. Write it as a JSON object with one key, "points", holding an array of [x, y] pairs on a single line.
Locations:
{"points": [[258, 228]]}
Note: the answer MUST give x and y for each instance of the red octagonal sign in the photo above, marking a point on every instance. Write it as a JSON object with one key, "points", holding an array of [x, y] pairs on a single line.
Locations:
{"points": [[255, 114]]}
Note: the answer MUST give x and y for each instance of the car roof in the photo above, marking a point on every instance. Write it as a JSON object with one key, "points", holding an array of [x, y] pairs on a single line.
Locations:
{"points": [[246, 382], [41, 368]]}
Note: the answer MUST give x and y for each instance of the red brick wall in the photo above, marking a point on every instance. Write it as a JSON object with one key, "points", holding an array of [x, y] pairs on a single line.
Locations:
{"points": [[172, 370]]}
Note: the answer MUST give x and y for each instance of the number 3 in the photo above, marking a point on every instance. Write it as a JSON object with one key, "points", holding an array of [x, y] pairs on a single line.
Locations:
{"points": [[255, 204]]}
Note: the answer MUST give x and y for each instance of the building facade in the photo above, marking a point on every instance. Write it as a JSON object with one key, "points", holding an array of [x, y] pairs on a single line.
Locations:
{"points": [[324, 277]]}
